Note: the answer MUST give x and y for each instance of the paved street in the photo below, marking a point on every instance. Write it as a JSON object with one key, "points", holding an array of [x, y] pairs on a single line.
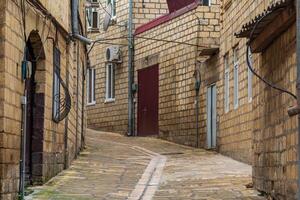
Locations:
{"points": [[114, 167]]}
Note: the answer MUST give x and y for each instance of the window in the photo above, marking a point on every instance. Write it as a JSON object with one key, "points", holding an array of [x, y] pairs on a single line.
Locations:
{"points": [[56, 84], [91, 77], [250, 78], [92, 17], [236, 77], [113, 6], [226, 84], [110, 82], [206, 2]]}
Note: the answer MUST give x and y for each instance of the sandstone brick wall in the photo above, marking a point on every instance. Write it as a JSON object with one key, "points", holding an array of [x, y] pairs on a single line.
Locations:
{"points": [[260, 132], [177, 63], [113, 116], [235, 127], [275, 133], [12, 88]]}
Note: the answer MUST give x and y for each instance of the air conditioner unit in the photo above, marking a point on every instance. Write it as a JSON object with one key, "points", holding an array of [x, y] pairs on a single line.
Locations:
{"points": [[113, 54]]}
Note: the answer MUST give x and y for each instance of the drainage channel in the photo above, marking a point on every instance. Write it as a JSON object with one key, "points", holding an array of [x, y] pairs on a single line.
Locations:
{"points": [[149, 182]]}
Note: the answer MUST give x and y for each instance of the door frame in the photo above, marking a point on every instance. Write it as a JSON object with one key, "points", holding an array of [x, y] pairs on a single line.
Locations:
{"points": [[139, 100], [211, 120]]}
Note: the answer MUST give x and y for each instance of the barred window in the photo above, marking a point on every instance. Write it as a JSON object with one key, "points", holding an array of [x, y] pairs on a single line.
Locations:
{"points": [[56, 83]]}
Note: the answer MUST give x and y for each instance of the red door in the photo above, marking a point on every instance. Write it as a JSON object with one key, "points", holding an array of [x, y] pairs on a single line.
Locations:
{"points": [[148, 101]]}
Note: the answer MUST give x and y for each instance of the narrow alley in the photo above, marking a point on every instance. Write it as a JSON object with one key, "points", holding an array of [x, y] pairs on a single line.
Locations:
{"points": [[115, 167]]}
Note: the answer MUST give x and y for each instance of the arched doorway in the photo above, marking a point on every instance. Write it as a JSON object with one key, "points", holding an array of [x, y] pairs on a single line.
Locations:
{"points": [[35, 109]]}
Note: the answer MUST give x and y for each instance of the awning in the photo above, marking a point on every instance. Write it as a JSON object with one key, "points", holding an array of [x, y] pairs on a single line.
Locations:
{"points": [[269, 15]]}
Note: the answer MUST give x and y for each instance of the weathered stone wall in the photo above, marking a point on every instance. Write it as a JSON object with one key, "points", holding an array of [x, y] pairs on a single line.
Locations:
{"points": [[260, 132], [275, 133], [113, 116], [177, 63], [52, 158], [235, 127]]}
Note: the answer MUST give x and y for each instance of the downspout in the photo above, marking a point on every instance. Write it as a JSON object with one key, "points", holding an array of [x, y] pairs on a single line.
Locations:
{"points": [[77, 99], [197, 75], [197, 89], [83, 102], [298, 87], [75, 24], [130, 72], [23, 136], [66, 153], [23, 146]]}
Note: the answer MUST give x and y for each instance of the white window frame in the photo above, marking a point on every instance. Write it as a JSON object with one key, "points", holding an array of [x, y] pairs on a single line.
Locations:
{"points": [[209, 3], [91, 101], [226, 84], [89, 15], [236, 77], [250, 81], [113, 8], [110, 83]]}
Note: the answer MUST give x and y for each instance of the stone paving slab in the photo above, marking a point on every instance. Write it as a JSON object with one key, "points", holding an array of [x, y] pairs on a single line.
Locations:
{"points": [[115, 167]]}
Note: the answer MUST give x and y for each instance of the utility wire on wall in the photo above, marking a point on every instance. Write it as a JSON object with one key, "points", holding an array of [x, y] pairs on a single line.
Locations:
{"points": [[102, 40], [249, 61]]}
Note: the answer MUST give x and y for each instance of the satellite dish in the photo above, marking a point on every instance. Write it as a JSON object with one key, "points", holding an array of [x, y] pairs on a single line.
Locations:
{"points": [[107, 17]]}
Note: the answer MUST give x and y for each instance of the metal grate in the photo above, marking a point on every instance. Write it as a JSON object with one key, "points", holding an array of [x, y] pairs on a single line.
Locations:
{"points": [[61, 95]]}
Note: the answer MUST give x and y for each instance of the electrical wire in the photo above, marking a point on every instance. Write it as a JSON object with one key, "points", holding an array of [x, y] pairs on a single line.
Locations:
{"points": [[249, 62], [146, 38], [103, 8]]}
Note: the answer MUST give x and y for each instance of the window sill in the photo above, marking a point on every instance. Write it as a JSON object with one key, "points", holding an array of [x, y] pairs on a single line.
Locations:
{"points": [[109, 100], [93, 30], [113, 20], [91, 103]]}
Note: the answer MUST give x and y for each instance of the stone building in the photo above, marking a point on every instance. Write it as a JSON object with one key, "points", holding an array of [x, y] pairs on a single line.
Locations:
{"points": [[42, 67], [273, 44], [172, 44], [180, 47], [109, 109]]}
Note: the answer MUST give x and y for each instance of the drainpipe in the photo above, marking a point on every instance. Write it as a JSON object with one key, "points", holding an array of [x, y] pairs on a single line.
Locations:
{"points": [[66, 153], [83, 102], [298, 87], [23, 146], [75, 24], [130, 72], [77, 100], [197, 75]]}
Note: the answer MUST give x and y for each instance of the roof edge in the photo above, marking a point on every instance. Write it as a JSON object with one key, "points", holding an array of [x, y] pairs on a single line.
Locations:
{"points": [[165, 18]]}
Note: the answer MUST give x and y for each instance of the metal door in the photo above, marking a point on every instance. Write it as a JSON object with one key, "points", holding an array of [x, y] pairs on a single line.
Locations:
{"points": [[148, 101], [211, 117]]}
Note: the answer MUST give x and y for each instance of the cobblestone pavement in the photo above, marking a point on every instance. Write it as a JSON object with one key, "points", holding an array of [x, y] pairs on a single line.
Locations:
{"points": [[114, 167]]}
